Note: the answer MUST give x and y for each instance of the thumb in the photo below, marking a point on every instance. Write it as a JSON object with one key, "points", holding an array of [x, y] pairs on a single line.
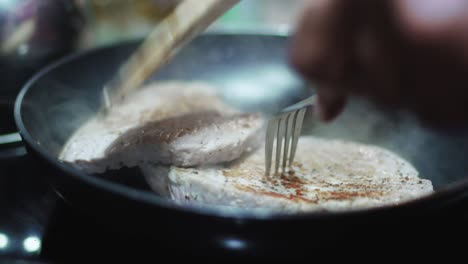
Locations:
{"points": [[330, 103]]}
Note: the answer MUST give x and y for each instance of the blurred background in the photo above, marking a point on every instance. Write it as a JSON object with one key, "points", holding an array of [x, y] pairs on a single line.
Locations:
{"points": [[34, 33], [114, 20]]}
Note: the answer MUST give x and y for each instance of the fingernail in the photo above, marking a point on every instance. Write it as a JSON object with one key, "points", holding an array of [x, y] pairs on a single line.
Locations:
{"points": [[319, 112], [329, 105]]}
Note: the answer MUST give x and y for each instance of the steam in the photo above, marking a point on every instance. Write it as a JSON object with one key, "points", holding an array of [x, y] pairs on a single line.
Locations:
{"points": [[230, 62], [437, 156], [56, 112]]}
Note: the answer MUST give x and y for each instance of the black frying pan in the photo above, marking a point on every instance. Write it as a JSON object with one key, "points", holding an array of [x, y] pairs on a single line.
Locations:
{"points": [[253, 74]]}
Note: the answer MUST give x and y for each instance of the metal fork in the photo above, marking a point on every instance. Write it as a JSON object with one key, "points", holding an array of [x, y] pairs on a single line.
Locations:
{"points": [[287, 127]]}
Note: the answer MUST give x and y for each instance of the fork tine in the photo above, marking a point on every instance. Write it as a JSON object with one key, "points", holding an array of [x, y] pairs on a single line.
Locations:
{"points": [[297, 133], [279, 140], [287, 138], [270, 136]]}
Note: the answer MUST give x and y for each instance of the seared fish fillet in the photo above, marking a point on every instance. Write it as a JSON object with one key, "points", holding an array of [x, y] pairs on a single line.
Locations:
{"points": [[173, 123], [328, 175]]}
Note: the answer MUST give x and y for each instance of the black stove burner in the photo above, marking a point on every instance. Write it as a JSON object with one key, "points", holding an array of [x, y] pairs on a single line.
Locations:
{"points": [[36, 225], [25, 203], [7, 102]]}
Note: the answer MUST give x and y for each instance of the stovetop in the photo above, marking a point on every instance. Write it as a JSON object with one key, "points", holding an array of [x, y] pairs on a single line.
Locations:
{"points": [[37, 226], [25, 202]]}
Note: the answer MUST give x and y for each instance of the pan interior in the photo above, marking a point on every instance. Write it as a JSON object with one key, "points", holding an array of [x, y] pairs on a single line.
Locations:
{"points": [[253, 74]]}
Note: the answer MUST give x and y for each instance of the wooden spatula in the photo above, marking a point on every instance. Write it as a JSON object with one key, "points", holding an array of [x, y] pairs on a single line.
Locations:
{"points": [[182, 24]]}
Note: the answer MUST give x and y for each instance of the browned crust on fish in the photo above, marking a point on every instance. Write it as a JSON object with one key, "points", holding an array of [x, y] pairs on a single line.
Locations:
{"points": [[170, 129]]}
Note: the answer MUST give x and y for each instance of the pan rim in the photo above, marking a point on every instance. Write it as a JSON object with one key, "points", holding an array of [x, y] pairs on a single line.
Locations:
{"points": [[448, 193]]}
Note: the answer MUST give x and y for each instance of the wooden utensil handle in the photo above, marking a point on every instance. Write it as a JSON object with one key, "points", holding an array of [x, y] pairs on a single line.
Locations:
{"points": [[188, 19]]}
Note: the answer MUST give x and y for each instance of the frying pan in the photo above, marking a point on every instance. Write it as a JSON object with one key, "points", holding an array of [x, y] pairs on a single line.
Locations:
{"points": [[252, 73]]}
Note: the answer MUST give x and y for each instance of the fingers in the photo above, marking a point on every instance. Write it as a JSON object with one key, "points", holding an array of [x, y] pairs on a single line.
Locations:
{"points": [[315, 43], [330, 102], [395, 53], [319, 52]]}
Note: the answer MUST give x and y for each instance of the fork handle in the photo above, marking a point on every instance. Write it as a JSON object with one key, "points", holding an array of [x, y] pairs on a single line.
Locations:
{"points": [[309, 101], [188, 18]]}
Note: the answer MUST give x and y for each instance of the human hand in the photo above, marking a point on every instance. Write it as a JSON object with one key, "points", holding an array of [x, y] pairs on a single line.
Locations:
{"points": [[409, 54]]}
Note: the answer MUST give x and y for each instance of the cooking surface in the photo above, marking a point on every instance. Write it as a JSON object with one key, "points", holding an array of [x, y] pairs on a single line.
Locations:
{"points": [[35, 224]]}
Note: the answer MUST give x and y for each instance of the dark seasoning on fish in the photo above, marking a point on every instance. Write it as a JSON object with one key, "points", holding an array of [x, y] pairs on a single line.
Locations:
{"points": [[211, 155], [328, 175]]}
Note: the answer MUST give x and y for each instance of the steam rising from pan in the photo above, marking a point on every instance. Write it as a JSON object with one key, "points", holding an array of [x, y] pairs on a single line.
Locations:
{"points": [[438, 156], [65, 97]]}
